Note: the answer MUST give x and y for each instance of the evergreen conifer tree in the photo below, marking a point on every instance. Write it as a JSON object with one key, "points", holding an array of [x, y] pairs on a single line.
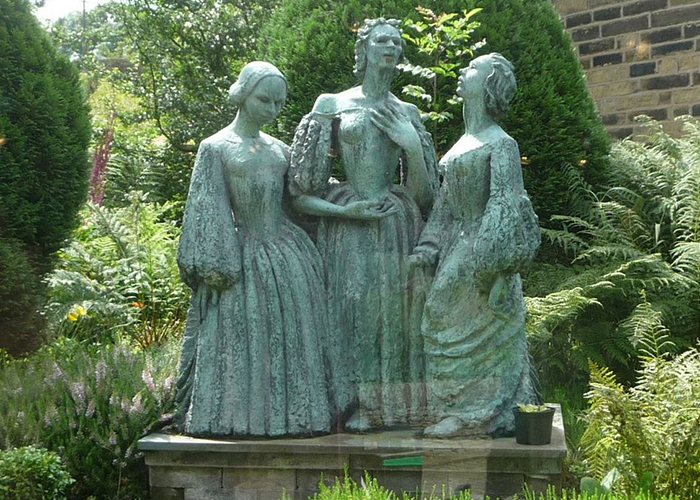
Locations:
{"points": [[44, 135], [552, 117]]}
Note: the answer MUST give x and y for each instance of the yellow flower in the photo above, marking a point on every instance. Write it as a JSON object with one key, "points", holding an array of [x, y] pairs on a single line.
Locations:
{"points": [[139, 305], [76, 313]]}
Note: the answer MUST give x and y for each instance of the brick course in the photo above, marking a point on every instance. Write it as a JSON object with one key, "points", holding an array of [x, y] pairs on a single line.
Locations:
{"points": [[639, 56]]}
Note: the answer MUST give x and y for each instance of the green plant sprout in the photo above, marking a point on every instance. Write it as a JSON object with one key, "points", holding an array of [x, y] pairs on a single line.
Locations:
{"points": [[527, 408], [445, 41]]}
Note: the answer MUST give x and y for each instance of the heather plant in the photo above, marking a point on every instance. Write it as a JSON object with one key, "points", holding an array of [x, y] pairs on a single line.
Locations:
{"points": [[90, 405], [30, 473], [636, 261], [119, 277]]}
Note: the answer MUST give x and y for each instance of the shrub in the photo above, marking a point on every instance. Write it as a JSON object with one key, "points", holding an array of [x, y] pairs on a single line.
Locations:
{"points": [[20, 298], [650, 429], [119, 277], [552, 117], [90, 406], [636, 261], [45, 130], [32, 474], [44, 135]]}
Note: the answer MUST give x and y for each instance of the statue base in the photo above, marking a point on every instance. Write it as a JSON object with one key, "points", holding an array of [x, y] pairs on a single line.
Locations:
{"points": [[186, 468]]}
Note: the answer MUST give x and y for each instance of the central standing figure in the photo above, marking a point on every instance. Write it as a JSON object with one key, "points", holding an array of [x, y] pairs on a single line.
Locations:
{"points": [[367, 229]]}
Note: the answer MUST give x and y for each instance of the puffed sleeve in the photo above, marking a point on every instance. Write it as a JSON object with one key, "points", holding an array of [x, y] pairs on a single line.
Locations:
{"points": [[311, 155], [209, 241], [509, 235]]}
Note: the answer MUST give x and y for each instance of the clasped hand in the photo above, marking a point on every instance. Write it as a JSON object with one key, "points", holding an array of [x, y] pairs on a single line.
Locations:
{"points": [[369, 210]]}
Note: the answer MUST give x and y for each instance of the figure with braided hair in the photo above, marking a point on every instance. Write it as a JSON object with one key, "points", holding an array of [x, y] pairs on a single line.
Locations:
{"points": [[367, 228]]}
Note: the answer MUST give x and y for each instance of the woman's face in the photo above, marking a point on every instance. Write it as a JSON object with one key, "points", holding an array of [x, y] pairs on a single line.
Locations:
{"points": [[472, 79], [266, 100], [384, 47]]}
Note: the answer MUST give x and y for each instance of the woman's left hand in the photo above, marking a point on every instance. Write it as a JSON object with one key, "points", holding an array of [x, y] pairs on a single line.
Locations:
{"points": [[391, 120]]}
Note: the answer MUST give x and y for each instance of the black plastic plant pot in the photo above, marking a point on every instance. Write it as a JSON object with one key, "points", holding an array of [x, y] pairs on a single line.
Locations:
{"points": [[533, 427]]}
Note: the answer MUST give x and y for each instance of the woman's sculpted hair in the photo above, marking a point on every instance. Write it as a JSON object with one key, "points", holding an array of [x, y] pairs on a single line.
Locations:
{"points": [[500, 85], [363, 37], [249, 77]]}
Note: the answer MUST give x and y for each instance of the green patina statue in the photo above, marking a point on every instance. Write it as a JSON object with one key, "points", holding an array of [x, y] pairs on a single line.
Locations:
{"points": [[368, 227], [253, 361], [284, 337], [482, 232]]}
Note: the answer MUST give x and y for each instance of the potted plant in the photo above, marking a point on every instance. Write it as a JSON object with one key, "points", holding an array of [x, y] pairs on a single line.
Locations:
{"points": [[533, 424]]}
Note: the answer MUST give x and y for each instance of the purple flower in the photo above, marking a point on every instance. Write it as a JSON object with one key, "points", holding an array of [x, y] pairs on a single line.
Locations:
{"points": [[136, 405], [77, 391], [169, 382], [57, 372], [48, 416], [100, 371], [148, 380], [90, 412]]}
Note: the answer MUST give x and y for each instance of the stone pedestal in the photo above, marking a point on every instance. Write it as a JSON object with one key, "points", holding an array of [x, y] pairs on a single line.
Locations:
{"points": [[185, 468]]}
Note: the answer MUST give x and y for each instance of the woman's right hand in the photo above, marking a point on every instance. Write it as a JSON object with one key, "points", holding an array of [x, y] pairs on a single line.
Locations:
{"points": [[368, 210]]}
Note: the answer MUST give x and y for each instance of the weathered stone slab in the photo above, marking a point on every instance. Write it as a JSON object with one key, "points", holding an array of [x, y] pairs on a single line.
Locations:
{"points": [[184, 468]]}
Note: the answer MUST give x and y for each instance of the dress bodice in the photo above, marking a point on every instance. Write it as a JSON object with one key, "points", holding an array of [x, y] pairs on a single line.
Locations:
{"points": [[254, 173], [369, 156], [467, 179]]}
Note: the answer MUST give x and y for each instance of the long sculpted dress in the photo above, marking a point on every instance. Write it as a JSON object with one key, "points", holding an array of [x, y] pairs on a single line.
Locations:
{"points": [[252, 359], [484, 229], [376, 350]]}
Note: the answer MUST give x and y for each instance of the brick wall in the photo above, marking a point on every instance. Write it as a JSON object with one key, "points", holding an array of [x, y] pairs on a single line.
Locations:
{"points": [[640, 57]]}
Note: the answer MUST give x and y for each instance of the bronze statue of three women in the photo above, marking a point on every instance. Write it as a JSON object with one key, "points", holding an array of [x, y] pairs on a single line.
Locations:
{"points": [[290, 337]]}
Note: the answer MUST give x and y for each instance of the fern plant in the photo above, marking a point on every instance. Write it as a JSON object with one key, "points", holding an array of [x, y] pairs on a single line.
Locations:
{"points": [[636, 260], [119, 277], [653, 428]]}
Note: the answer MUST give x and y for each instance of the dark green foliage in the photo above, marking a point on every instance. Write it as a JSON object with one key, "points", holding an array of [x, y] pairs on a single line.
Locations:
{"points": [[20, 298], [45, 128], [552, 117], [44, 134], [636, 263], [32, 474]]}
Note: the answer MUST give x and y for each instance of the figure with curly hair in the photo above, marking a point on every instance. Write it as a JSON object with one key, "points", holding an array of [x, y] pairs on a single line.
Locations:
{"points": [[368, 226], [253, 361], [481, 233]]}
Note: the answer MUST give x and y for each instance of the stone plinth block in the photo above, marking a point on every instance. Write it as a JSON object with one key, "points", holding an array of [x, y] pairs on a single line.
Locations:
{"points": [[183, 467]]}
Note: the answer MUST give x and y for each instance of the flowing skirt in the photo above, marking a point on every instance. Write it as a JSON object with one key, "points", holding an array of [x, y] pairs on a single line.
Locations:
{"points": [[376, 351], [477, 361], [253, 359]]}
